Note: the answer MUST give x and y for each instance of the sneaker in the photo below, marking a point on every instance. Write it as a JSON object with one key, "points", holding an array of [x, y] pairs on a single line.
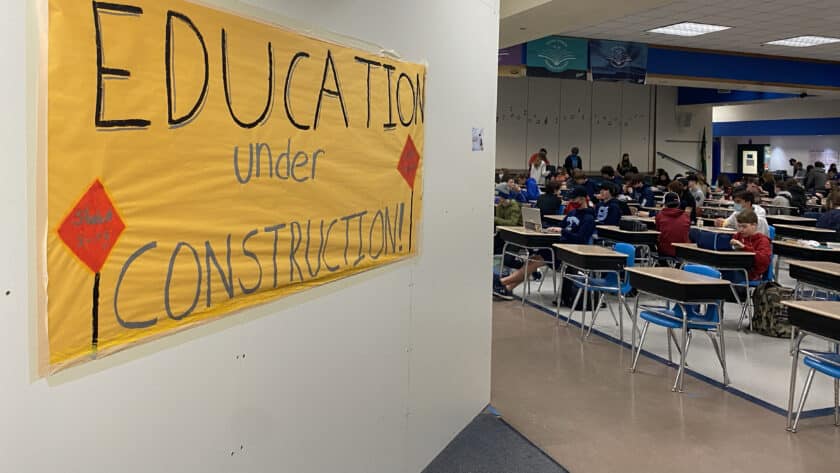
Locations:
{"points": [[499, 289], [536, 275]]}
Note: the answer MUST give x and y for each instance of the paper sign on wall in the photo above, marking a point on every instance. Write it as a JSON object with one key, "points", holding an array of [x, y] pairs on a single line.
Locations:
{"points": [[200, 162]]}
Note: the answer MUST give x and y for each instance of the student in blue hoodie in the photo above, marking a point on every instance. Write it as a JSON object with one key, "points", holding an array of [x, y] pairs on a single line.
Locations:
{"points": [[608, 211], [577, 228], [532, 190]]}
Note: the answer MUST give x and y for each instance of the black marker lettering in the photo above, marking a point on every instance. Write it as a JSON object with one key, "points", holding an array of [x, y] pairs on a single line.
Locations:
{"points": [[288, 91], [403, 121], [236, 164], [369, 64], [102, 71], [170, 99], [389, 69], [335, 268], [269, 100], [330, 66]]}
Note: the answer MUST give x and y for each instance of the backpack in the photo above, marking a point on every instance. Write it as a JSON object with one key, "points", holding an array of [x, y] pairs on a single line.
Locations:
{"points": [[770, 317]]}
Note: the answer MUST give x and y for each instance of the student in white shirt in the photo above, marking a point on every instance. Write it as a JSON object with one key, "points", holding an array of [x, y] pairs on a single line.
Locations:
{"points": [[538, 165], [744, 200]]}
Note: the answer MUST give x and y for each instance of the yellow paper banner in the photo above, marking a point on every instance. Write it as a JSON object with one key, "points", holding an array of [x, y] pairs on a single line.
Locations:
{"points": [[200, 162]]}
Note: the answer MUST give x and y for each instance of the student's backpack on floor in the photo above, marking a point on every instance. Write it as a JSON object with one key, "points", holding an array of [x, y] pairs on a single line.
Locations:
{"points": [[770, 317]]}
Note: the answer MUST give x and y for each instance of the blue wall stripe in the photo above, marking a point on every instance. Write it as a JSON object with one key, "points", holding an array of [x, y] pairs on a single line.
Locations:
{"points": [[695, 95], [704, 64], [790, 127]]}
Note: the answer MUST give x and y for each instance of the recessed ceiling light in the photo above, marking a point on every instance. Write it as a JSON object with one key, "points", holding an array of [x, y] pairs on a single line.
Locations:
{"points": [[689, 29], [804, 41]]}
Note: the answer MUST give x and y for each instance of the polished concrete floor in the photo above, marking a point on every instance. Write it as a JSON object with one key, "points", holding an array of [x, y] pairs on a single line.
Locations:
{"points": [[578, 402]]}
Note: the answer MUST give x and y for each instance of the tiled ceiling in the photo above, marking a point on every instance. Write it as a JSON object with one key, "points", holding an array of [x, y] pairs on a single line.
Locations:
{"points": [[753, 23]]}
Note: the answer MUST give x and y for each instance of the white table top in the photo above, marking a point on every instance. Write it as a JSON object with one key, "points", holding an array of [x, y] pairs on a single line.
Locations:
{"points": [[827, 267], [677, 275], [524, 231], [694, 246], [616, 229], [589, 250], [829, 309]]}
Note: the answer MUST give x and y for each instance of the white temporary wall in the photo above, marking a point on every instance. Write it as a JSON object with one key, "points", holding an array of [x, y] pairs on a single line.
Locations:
{"points": [[375, 373], [602, 119]]}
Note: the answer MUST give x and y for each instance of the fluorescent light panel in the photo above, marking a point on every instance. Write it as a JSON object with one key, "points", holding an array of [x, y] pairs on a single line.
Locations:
{"points": [[804, 41], [689, 29]]}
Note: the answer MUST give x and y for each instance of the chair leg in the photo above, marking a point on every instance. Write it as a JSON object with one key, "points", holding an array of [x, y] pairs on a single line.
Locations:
{"points": [[676, 342], [596, 310], [803, 399], [681, 370], [837, 401], [794, 352], [721, 354], [612, 312], [572, 310], [668, 335], [620, 318], [639, 350]]}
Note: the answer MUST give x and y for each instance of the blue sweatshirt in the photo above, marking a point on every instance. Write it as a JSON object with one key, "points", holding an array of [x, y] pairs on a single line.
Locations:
{"points": [[532, 190], [579, 226], [590, 188], [608, 213], [644, 196], [830, 219]]}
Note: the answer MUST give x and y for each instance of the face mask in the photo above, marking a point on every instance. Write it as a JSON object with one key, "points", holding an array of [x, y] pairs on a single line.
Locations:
{"points": [[738, 207]]}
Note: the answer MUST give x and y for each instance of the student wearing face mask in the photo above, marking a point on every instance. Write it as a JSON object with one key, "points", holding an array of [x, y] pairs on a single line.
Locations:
{"points": [[744, 200]]}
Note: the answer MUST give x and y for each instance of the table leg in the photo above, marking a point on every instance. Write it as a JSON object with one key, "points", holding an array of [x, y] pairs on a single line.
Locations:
{"points": [[681, 372], [635, 317], [583, 307], [527, 289], [560, 294]]}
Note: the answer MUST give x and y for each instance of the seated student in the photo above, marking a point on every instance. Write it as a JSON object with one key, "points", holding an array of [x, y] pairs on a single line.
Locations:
{"points": [[508, 213], [687, 203], [577, 228], [662, 179], [582, 181], [696, 189], [831, 217], [608, 211], [744, 201], [642, 193], [550, 202], [749, 238], [516, 193], [783, 197], [672, 224], [609, 175], [532, 190]]}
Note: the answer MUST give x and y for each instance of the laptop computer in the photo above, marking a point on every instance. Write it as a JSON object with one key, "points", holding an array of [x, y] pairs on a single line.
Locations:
{"points": [[532, 219]]}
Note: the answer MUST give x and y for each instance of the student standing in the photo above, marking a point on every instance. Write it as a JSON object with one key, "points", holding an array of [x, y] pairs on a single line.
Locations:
{"points": [[537, 165], [816, 177], [573, 161]]}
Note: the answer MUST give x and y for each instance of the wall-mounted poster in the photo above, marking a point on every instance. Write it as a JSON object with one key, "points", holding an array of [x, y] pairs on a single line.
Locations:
{"points": [[555, 56], [199, 162], [618, 61]]}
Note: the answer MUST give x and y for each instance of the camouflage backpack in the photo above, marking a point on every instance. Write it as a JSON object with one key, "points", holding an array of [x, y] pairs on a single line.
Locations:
{"points": [[769, 315]]}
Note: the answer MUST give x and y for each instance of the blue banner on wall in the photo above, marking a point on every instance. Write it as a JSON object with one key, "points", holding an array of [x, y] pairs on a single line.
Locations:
{"points": [[565, 57], [618, 61]]}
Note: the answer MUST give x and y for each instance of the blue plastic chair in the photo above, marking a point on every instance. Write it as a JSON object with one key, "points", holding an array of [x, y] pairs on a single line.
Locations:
{"points": [[709, 322], [609, 285], [827, 363]]}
